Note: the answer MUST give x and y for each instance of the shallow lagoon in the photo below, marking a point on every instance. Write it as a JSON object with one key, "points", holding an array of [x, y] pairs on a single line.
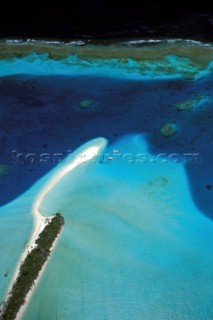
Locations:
{"points": [[138, 236]]}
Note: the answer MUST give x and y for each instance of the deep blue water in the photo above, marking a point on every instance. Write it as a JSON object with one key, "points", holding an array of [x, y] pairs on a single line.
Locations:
{"points": [[42, 114]]}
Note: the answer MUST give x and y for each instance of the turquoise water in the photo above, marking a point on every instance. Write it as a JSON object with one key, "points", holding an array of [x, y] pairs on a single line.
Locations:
{"points": [[169, 66], [134, 245], [15, 229], [137, 242]]}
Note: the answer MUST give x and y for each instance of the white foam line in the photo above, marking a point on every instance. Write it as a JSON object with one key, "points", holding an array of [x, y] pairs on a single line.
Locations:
{"points": [[48, 42], [40, 221], [187, 42]]}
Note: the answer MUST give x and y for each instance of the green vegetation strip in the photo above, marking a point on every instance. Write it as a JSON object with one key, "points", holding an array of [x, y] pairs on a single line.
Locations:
{"points": [[31, 267]]}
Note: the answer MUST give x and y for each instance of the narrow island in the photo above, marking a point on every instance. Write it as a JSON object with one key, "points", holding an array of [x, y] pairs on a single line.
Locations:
{"points": [[44, 237], [31, 267]]}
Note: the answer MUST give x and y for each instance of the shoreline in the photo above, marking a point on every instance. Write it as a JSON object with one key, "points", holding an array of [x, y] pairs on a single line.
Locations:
{"points": [[28, 298], [41, 221]]}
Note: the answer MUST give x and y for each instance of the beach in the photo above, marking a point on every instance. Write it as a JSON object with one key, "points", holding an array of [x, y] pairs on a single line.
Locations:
{"points": [[40, 221]]}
